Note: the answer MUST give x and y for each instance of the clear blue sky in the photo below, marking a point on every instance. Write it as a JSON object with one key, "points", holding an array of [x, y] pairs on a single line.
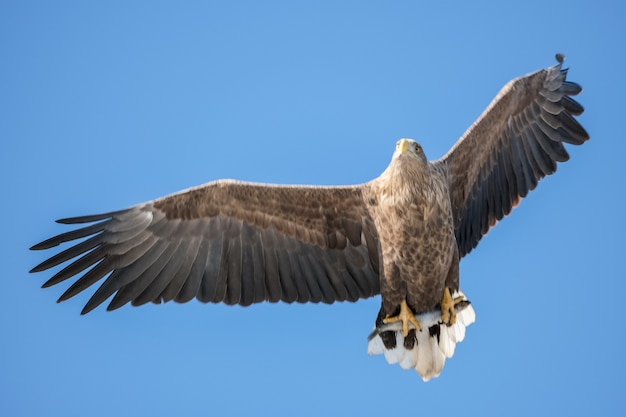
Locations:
{"points": [[107, 104]]}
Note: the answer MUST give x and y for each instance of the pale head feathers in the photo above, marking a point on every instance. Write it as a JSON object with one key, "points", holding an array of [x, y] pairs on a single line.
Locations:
{"points": [[408, 174]]}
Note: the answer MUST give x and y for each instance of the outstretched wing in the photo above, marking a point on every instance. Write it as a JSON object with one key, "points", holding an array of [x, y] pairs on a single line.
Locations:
{"points": [[226, 241], [515, 142]]}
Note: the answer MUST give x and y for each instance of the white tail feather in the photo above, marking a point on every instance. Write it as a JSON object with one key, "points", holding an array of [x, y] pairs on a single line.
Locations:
{"points": [[435, 341]]}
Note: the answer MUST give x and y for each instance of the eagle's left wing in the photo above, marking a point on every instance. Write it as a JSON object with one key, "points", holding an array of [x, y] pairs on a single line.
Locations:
{"points": [[515, 142]]}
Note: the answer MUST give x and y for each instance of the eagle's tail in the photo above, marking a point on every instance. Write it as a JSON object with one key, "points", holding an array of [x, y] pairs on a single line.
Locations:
{"points": [[426, 349]]}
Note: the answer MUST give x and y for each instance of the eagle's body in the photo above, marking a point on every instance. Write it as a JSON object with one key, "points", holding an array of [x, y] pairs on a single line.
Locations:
{"points": [[401, 235], [414, 222]]}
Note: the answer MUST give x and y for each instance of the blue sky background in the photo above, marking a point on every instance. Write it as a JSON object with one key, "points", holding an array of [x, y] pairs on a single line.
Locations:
{"points": [[107, 104]]}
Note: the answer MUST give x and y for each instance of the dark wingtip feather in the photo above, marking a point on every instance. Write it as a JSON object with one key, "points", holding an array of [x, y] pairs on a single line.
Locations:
{"points": [[570, 88], [91, 305], [560, 57], [118, 301], [572, 106], [88, 219], [46, 244], [86, 310], [41, 267], [49, 283], [52, 281], [38, 268], [68, 236]]}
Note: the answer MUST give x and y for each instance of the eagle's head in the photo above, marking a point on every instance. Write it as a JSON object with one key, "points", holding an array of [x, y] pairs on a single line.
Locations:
{"points": [[410, 151], [408, 172]]}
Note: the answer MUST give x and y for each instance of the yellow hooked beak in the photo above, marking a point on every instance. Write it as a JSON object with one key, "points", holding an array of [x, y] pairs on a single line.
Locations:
{"points": [[403, 146]]}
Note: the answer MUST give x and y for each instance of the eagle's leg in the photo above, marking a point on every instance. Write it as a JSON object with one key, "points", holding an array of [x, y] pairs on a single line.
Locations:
{"points": [[406, 316], [448, 314]]}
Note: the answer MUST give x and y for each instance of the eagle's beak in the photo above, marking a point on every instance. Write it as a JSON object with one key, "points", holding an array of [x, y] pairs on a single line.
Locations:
{"points": [[403, 146]]}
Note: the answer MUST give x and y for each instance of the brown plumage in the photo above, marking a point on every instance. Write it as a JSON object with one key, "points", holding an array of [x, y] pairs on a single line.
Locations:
{"points": [[401, 235]]}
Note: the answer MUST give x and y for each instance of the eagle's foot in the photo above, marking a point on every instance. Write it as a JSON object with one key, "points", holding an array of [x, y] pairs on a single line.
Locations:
{"points": [[406, 316], [448, 313]]}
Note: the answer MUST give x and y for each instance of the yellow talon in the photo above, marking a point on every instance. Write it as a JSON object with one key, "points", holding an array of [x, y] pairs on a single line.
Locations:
{"points": [[448, 314], [406, 316]]}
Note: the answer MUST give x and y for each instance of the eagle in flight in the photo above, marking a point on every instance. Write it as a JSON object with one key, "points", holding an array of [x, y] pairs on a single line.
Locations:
{"points": [[400, 235]]}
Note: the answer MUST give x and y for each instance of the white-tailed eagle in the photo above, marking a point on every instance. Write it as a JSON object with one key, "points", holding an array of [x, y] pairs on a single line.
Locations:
{"points": [[400, 235]]}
